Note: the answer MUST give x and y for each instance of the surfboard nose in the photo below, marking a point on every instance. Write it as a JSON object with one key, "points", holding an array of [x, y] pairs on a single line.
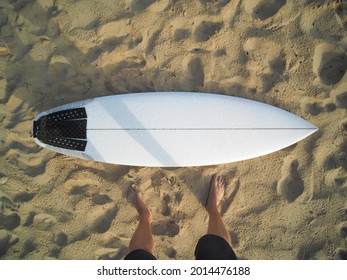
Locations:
{"points": [[310, 126]]}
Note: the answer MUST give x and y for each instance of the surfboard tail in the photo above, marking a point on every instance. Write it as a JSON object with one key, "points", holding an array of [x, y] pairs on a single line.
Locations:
{"points": [[63, 129]]}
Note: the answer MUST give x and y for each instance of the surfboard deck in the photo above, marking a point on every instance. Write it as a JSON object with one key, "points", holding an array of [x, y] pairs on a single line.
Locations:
{"points": [[168, 129]]}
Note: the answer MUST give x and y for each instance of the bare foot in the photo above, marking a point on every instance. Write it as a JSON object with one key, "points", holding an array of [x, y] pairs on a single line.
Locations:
{"points": [[216, 194], [134, 197]]}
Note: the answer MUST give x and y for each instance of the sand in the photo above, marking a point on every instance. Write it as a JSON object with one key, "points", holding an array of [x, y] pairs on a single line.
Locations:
{"points": [[291, 54]]}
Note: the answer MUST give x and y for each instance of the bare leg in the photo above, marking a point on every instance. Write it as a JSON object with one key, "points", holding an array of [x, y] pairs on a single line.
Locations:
{"points": [[215, 223], [142, 237]]}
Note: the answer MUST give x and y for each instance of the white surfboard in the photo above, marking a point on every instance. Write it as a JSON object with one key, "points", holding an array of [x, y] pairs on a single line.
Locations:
{"points": [[168, 129]]}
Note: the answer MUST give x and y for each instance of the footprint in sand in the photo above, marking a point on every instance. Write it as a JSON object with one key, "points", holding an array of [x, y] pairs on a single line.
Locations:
{"points": [[28, 247], [138, 5], [4, 90], [165, 227], [341, 99], [87, 188], [343, 229], [329, 63], [101, 199], [335, 155], [23, 196], [29, 219], [60, 68], [266, 68], [78, 235], [263, 9], [4, 241], [308, 251], [150, 39], [344, 125], [234, 239], [256, 49], [25, 157], [206, 29], [193, 75], [9, 218], [290, 186], [6, 203], [54, 253], [61, 239], [314, 107], [170, 252], [165, 209], [43, 221], [10, 221], [181, 34], [340, 93], [7, 239], [219, 3], [321, 23], [107, 254], [340, 8], [341, 254], [102, 222], [311, 106], [156, 179]]}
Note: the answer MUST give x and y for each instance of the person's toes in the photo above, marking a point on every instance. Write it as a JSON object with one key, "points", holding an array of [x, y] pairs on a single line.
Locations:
{"points": [[132, 192]]}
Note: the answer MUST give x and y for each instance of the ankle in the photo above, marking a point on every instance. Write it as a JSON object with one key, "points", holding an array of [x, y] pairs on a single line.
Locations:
{"points": [[146, 214], [212, 209]]}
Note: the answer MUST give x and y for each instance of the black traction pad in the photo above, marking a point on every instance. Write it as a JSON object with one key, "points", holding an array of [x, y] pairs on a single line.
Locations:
{"points": [[64, 129]]}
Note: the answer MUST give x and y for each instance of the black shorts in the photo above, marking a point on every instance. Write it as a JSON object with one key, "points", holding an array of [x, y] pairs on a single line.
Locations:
{"points": [[209, 247]]}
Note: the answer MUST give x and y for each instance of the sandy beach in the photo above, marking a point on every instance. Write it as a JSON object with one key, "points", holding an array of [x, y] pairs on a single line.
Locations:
{"points": [[291, 204]]}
